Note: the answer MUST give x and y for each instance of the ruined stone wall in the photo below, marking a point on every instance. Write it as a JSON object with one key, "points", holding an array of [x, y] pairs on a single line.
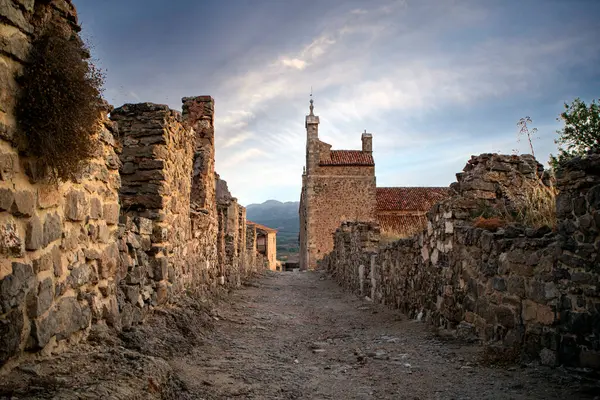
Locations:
{"points": [[134, 230], [236, 247], [336, 194], [251, 252], [531, 289], [155, 197], [58, 252]]}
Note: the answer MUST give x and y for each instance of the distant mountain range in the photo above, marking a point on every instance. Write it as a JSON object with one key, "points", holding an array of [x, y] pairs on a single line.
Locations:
{"points": [[281, 216]]}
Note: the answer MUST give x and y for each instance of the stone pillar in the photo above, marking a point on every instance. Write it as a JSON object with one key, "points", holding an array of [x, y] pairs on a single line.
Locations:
{"points": [[198, 113]]}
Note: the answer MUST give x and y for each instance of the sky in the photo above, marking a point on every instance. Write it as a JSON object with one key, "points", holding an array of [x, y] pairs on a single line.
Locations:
{"points": [[434, 81]]}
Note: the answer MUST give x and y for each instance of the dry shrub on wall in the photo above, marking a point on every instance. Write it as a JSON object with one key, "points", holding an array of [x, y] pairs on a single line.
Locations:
{"points": [[60, 105], [534, 204]]}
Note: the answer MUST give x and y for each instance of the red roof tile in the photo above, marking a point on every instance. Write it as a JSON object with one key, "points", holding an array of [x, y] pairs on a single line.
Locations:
{"points": [[348, 157], [409, 198]]}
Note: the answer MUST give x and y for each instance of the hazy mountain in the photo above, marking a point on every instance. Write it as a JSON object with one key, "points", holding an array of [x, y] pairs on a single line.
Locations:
{"points": [[281, 216]]}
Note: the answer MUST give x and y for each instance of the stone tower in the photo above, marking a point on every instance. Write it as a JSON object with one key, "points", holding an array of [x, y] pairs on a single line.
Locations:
{"points": [[337, 186]]}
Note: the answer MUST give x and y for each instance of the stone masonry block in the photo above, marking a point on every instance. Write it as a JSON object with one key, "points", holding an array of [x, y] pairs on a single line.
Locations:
{"points": [[11, 244], [11, 326], [34, 234], [95, 208], [77, 205], [41, 299], [24, 204], [47, 196], [14, 287], [111, 213], [7, 198], [53, 228]]}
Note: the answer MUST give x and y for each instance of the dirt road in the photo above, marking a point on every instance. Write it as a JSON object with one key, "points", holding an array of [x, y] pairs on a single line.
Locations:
{"points": [[286, 336]]}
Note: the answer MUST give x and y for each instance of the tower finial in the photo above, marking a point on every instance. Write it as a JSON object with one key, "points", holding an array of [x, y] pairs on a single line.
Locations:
{"points": [[311, 102]]}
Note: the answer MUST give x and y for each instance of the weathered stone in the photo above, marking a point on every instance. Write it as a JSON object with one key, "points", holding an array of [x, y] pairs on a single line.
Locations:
{"points": [[47, 196], [111, 213], [39, 301], [77, 205], [53, 228], [132, 293], [103, 233], [160, 268], [8, 165], [7, 198], [34, 237], [136, 275], [11, 327], [14, 287], [499, 284], [80, 275], [24, 203], [145, 226], [107, 264], [14, 15], [92, 253], [67, 317], [95, 208], [11, 244], [44, 263], [534, 312]]}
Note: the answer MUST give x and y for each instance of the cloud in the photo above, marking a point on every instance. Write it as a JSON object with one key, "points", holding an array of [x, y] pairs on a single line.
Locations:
{"points": [[381, 69], [294, 63]]}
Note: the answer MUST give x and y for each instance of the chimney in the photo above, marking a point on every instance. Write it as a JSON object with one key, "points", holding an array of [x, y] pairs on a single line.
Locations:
{"points": [[367, 142]]}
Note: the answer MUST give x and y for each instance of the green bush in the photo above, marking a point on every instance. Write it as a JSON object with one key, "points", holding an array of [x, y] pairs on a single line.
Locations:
{"points": [[60, 105]]}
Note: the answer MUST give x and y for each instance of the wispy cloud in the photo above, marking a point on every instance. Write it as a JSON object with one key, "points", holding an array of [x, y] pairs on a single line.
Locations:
{"points": [[431, 79]]}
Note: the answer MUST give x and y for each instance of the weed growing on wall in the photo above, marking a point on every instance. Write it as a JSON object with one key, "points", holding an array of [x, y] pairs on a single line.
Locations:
{"points": [[59, 108]]}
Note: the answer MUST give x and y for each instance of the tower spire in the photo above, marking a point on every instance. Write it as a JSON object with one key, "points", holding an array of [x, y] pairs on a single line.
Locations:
{"points": [[311, 103]]}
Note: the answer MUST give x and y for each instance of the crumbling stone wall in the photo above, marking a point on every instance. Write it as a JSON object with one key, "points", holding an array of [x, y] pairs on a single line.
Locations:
{"points": [[530, 289], [232, 236], [137, 227], [58, 253], [156, 176]]}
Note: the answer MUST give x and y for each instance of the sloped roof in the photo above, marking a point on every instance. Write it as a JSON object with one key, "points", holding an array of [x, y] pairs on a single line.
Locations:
{"points": [[348, 157], [262, 227], [409, 198]]}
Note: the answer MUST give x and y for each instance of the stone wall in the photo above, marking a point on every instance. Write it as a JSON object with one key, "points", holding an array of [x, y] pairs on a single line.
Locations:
{"points": [[58, 250], [156, 232], [531, 289], [137, 228]]}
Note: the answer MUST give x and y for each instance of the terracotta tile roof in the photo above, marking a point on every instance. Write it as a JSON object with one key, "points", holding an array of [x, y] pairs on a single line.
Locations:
{"points": [[409, 198], [402, 225], [261, 227], [348, 157]]}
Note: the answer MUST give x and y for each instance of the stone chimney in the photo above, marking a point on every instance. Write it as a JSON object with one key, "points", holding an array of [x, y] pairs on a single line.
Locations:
{"points": [[367, 142]]}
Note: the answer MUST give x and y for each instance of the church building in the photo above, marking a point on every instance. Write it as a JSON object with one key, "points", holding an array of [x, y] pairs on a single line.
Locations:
{"points": [[340, 185]]}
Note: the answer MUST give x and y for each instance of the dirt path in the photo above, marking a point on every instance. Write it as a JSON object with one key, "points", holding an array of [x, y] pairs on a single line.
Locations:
{"points": [[287, 336], [299, 336]]}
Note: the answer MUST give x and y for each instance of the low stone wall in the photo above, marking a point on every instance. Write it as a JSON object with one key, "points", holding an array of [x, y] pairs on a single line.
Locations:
{"points": [[531, 289]]}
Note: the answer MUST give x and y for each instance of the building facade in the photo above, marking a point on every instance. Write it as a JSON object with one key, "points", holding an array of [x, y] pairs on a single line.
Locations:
{"points": [[340, 185], [337, 186], [266, 243]]}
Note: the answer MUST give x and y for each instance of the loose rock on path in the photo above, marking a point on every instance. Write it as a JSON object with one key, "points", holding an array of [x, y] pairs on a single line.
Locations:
{"points": [[285, 336]]}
